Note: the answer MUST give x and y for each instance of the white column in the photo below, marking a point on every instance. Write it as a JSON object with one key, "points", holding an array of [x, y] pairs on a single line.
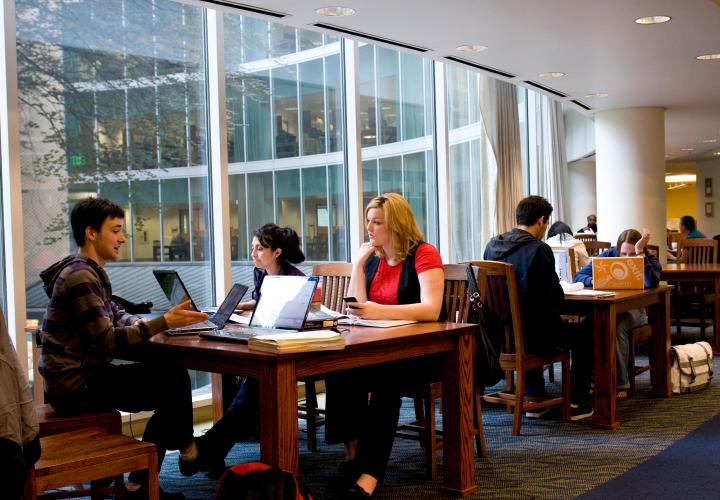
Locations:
{"points": [[218, 154], [630, 172], [14, 264], [353, 153]]}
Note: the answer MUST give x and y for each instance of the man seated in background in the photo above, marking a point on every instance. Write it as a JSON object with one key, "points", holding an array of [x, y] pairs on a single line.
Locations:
{"points": [[540, 297], [591, 226], [688, 228], [83, 330]]}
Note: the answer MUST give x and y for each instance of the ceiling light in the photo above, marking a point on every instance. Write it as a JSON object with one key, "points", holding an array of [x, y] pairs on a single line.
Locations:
{"points": [[471, 48], [680, 178], [597, 95], [717, 153], [707, 57], [709, 141], [335, 11], [551, 74], [687, 149], [653, 19]]}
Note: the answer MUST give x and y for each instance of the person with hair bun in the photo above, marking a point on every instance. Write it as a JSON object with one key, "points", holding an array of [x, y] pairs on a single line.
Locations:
{"points": [[559, 236], [630, 243], [274, 250]]}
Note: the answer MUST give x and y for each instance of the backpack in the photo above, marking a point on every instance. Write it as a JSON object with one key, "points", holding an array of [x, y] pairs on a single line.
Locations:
{"points": [[490, 336], [259, 481]]}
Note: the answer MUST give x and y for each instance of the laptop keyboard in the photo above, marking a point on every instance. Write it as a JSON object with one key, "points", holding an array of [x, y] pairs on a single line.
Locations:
{"points": [[241, 333]]}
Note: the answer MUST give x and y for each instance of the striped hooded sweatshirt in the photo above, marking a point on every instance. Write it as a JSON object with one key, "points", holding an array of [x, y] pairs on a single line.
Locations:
{"points": [[83, 328]]}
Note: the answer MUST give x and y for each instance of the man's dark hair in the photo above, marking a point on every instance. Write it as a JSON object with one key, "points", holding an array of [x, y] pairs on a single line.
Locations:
{"points": [[530, 209], [559, 227], [688, 222], [92, 212]]}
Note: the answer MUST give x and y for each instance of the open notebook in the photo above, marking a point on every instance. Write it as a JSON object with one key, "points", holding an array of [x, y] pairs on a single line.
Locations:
{"points": [[344, 319]]}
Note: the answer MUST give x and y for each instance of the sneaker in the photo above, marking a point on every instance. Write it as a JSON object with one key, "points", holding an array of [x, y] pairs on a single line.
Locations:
{"points": [[202, 463], [580, 412], [539, 413]]}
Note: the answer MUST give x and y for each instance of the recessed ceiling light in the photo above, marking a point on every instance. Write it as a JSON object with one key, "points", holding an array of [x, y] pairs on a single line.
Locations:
{"points": [[551, 74], [709, 141], [596, 95], [335, 11], [652, 19], [707, 57], [717, 153], [680, 178], [687, 149], [471, 48]]}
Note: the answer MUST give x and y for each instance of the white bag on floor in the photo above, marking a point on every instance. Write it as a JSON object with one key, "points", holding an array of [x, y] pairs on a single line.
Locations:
{"points": [[690, 367]]}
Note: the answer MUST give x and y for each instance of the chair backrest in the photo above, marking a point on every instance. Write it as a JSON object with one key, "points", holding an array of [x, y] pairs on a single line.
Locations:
{"points": [[653, 249], [455, 296], [698, 251], [595, 248], [334, 280], [586, 237], [572, 263], [498, 291]]}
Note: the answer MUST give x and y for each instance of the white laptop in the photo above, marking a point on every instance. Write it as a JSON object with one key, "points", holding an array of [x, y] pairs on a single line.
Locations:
{"points": [[282, 307]]}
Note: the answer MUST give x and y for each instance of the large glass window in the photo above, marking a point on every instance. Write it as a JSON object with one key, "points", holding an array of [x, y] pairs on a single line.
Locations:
{"points": [[288, 110], [397, 119], [112, 100], [471, 166]]}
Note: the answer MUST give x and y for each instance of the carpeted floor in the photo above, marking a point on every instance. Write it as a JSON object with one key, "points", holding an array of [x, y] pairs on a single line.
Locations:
{"points": [[550, 459]]}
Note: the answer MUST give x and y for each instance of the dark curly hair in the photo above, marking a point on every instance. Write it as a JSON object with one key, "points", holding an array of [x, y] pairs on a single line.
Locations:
{"points": [[273, 236]]}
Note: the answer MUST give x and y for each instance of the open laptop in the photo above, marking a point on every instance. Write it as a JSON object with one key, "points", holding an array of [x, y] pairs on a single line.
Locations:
{"points": [[618, 273], [176, 292], [562, 264], [282, 307]]}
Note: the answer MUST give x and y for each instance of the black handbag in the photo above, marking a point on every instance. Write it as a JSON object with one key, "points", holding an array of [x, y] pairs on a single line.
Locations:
{"points": [[132, 307], [490, 335]]}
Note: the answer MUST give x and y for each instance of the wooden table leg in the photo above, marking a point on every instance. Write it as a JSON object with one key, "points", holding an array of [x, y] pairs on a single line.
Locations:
{"points": [[457, 405], [659, 319], [279, 416], [604, 321]]}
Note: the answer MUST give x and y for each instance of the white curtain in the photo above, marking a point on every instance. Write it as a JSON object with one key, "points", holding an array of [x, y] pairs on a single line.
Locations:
{"points": [[499, 108], [552, 167]]}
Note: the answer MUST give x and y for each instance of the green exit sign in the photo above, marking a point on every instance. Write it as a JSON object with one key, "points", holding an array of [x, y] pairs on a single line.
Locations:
{"points": [[77, 160]]}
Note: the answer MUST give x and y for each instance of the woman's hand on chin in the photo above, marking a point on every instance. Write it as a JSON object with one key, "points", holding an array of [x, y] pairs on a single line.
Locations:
{"points": [[366, 310], [365, 251]]}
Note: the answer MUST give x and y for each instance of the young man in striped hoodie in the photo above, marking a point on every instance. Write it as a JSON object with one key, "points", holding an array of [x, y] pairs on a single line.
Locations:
{"points": [[83, 330]]}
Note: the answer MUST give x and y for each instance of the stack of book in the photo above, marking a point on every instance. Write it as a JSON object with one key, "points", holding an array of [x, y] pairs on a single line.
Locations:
{"points": [[278, 343]]}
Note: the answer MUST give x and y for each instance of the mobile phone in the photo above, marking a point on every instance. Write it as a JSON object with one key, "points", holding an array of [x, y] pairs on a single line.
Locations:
{"points": [[349, 299]]}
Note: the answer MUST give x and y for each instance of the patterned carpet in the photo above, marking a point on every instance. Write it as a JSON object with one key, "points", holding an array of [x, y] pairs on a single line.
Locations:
{"points": [[550, 460]]}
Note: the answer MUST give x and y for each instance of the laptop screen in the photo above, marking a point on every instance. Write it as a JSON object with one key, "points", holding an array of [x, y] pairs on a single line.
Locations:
{"points": [[173, 287], [284, 302], [231, 301], [562, 268]]}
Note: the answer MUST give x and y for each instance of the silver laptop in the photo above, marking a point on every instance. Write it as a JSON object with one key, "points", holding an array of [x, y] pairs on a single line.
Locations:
{"points": [[176, 293], [282, 307]]}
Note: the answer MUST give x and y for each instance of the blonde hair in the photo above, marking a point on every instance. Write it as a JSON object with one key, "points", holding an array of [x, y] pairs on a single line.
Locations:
{"points": [[400, 221]]}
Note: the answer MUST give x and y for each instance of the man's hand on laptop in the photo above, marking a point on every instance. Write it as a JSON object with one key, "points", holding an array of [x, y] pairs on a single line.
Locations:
{"points": [[182, 315]]}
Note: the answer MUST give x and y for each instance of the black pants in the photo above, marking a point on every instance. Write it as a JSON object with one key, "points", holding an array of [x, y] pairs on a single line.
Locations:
{"points": [[578, 339], [139, 387], [238, 422], [351, 415], [15, 461]]}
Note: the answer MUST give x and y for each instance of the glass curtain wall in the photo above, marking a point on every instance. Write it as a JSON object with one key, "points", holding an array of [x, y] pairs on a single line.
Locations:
{"points": [[112, 100], [285, 137], [471, 165], [396, 130]]}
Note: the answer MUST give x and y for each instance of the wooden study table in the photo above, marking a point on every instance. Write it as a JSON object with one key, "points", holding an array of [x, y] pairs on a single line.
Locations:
{"points": [[698, 273], [278, 375], [603, 313]]}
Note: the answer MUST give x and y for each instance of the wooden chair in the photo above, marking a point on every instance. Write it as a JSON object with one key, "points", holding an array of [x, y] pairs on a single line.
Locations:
{"points": [[498, 290], [638, 333], [695, 297], [584, 237], [572, 263], [90, 455], [334, 280], [424, 428], [595, 248]]}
